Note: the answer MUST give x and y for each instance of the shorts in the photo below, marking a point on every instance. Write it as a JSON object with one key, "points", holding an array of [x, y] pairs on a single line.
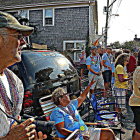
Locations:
{"points": [[83, 66], [94, 133], [136, 112], [107, 75], [99, 81], [120, 97]]}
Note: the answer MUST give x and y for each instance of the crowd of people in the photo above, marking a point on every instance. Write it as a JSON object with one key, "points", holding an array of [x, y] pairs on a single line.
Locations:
{"points": [[118, 72], [107, 70]]}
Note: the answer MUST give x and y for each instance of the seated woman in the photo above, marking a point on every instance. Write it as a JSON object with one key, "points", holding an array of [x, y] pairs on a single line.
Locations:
{"points": [[67, 118]]}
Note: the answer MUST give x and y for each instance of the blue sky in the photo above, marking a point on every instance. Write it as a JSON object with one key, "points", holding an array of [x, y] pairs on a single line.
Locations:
{"points": [[123, 27]]}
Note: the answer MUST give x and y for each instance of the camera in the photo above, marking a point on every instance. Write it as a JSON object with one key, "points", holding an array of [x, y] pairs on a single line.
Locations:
{"points": [[41, 125], [44, 126]]}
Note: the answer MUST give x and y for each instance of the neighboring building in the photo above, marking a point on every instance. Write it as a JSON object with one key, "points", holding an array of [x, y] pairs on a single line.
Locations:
{"points": [[60, 24], [137, 44], [136, 38]]}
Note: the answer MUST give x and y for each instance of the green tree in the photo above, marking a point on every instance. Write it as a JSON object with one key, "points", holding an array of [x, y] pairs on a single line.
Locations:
{"points": [[131, 45]]}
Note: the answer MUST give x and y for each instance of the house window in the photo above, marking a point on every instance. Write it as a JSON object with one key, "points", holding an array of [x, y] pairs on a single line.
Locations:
{"points": [[24, 13], [24, 17], [48, 17], [74, 48]]}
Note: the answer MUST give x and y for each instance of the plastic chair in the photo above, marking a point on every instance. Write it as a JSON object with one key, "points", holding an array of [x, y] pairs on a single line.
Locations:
{"points": [[102, 107], [104, 112]]}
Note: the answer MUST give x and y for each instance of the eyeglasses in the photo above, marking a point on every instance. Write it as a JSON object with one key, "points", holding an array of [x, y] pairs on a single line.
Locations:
{"points": [[64, 95], [18, 36]]}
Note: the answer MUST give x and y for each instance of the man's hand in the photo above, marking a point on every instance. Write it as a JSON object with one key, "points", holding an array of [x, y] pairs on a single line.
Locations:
{"points": [[24, 131], [109, 68], [40, 136], [98, 73]]}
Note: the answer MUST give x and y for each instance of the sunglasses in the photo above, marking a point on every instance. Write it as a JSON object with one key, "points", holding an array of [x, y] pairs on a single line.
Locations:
{"points": [[64, 94]]}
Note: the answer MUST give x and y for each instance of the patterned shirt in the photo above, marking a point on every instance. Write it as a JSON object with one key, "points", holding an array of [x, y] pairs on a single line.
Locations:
{"points": [[5, 122], [58, 115], [83, 58], [135, 97], [94, 62]]}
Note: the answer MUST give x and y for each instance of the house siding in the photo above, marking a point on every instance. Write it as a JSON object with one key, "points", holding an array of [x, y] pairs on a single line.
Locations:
{"points": [[69, 24]]}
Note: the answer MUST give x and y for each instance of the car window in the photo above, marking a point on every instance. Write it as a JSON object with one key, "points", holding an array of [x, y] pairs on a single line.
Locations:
{"points": [[42, 66]]}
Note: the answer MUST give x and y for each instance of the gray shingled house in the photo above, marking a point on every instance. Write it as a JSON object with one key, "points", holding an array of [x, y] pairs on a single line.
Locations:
{"points": [[60, 24]]}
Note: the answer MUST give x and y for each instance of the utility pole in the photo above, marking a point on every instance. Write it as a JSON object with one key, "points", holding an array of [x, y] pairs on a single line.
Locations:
{"points": [[106, 26], [107, 16]]}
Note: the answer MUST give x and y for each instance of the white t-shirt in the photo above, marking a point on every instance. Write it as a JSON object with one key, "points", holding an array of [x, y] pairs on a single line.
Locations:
{"points": [[6, 85], [6, 124], [4, 121]]}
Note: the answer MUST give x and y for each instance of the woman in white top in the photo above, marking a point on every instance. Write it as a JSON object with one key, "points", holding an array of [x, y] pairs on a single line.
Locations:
{"points": [[134, 101]]}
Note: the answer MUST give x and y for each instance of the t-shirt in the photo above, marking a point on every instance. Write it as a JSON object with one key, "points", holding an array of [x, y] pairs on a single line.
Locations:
{"points": [[94, 62], [58, 116], [4, 121], [6, 85], [108, 59], [83, 58], [135, 97], [132, 64], [120, 70]]}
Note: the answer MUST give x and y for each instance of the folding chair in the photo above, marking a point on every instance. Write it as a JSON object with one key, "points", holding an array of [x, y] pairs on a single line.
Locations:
{"points": [[104, 112], [47, 106]]}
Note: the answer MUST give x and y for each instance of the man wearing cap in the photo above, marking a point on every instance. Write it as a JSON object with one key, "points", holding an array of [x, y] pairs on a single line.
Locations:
{"points": [[93, 63], [11, 88], [107, 60]]}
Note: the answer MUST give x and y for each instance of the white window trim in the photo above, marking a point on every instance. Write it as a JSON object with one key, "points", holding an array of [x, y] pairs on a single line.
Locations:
{"points": [[73, 41], [44, 16]]}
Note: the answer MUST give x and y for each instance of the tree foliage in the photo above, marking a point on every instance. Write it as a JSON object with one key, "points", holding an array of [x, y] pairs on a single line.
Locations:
{"points": [[131, 45]]}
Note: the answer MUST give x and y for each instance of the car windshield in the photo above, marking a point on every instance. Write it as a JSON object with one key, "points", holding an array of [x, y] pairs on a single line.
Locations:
{"points": [[43, 66]]}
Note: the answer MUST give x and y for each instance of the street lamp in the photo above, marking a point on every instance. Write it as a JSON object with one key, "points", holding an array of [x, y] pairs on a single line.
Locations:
{"points": [[116, 15]]}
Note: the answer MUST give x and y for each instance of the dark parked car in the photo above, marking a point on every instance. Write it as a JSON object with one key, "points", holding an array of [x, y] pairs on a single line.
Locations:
{"points": [[41, 71]]}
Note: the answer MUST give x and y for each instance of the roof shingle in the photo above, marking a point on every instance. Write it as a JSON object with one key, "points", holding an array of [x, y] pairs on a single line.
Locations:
{"points": [[6, 4]]}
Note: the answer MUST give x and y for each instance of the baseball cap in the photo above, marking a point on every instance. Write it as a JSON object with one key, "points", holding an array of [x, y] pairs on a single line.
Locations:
{"points": [[93, 47], [8, 21]]}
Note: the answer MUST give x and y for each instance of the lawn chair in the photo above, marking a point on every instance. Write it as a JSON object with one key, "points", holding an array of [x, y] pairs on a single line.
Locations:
{"points": [[104, 112], [47, 106]]}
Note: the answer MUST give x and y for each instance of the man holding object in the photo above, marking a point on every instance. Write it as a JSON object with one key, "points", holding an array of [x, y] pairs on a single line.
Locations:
{"points": [[12, 35]]}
